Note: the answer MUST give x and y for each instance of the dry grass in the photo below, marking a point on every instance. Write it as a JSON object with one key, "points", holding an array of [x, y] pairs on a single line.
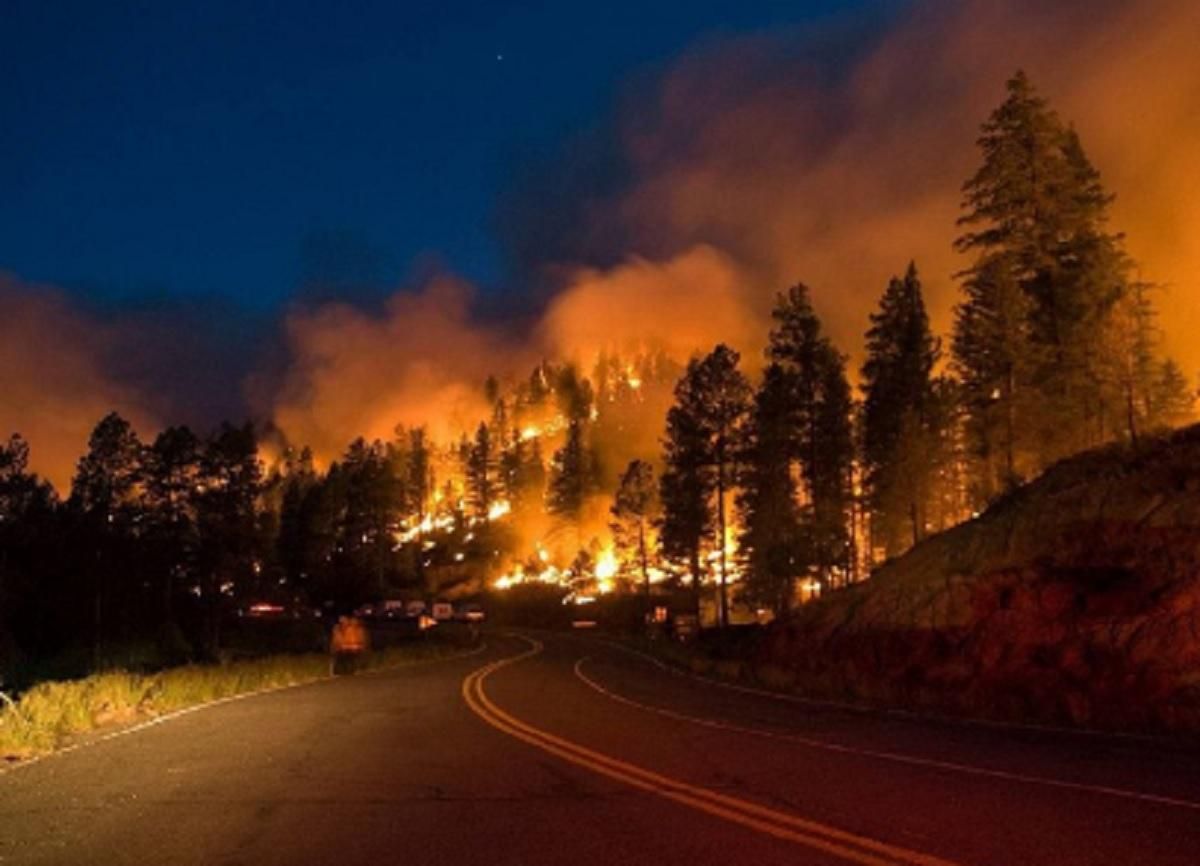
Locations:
{"points": [[51, 714]]}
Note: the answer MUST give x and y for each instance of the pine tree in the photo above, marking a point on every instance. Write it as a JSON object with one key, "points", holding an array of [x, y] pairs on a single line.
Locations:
{"points": [[1172, 399], [711, 404], [1129, 365], [1092, 284], [20, 489], [1035, 338], [992, 359], [569, 476], [574, 395], [31, 531], [772, 543], [295, 542], [107, 483], [522, 472], [633, 512], [482, 484], [420, 481], [227, 522], [822, 445], [106, 493], [172, 469], [899, 435], [369, 513], [829, 472], [685, 490]]}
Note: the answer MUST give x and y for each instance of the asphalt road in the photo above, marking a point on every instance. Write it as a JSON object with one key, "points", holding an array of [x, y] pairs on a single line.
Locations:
{"points": [[567, 750]]}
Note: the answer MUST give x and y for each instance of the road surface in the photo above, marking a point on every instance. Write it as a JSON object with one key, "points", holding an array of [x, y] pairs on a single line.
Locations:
{"points": [[569, 750]]}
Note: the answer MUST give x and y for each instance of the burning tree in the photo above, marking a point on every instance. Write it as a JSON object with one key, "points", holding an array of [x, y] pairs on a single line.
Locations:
{"points": [[633, 512]]}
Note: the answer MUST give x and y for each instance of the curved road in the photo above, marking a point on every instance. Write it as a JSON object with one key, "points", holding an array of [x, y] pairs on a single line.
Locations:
{"points": [[566, 749]]}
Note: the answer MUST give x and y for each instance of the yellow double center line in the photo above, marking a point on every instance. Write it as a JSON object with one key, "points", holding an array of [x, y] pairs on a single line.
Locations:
{"points": [[781, 825]]}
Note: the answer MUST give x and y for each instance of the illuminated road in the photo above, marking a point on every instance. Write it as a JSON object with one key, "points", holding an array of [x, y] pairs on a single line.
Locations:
{"points": [[567, 750]]}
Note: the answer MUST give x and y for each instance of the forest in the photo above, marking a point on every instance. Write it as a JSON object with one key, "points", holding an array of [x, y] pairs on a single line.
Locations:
{"points": [[746, 485]]}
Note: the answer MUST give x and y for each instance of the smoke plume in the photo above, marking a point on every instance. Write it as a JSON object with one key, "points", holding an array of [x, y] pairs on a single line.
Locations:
{"points": [[55, 379], [749, 168], [840, 180], [423, 362], [745, 166]]}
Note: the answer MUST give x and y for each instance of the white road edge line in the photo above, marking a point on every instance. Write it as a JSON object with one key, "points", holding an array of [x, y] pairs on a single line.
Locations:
{"points": [[894, 757], [175, 714], [866, 709]]}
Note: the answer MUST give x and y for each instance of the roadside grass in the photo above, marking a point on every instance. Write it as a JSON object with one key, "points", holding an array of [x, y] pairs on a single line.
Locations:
{"points": [[52, 714]]}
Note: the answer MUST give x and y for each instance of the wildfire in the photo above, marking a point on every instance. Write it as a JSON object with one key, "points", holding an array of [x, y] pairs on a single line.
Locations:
{"points": [[547, 428], [548, 575], [429, 523], [606, 566], [582, 585]]}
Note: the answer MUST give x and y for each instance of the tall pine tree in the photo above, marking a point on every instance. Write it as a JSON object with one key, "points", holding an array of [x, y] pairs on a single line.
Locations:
{"points": [[1053, 342], [704, 438], [821, 440], [900, 430], [773, 545]]}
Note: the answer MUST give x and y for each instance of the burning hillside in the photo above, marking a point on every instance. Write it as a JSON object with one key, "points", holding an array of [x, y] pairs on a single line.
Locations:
{"points": [[684, 415]]}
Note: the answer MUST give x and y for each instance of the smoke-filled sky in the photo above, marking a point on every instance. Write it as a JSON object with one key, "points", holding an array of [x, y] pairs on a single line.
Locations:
{"points": [[339, 223]]}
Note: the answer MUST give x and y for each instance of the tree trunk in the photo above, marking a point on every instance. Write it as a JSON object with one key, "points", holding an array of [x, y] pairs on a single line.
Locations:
{"points": [[695, 556], [643, 560], [724, 611], [1010, 472], [1131, 415], [98, 612]]}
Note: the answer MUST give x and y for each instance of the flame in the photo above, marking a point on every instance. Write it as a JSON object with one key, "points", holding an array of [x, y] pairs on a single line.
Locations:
{"points": [[429, 523], [606, 566], [518, 576]]}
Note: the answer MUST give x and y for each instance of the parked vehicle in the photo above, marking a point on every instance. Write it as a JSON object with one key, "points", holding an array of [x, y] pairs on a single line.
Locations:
{"points": [[470, 612]]}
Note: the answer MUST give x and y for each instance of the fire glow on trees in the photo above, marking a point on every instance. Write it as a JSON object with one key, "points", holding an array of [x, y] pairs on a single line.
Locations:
{"points": [[512, 482], [508, 517]]}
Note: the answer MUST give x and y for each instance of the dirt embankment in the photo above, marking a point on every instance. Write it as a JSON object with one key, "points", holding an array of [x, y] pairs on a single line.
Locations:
{"points": [[1076, 599]]}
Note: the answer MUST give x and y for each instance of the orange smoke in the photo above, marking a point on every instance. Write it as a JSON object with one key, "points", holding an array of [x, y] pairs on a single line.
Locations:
{"points": [[840, 184], [750, 169], [53, 384], [353, 374], [689, 303]]}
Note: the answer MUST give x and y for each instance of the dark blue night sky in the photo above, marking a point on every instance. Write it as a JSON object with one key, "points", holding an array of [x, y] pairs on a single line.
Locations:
{"points": [[190, 149]]}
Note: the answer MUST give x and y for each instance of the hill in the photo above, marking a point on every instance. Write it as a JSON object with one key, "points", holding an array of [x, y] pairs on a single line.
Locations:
{"points": [[1074, 599]]}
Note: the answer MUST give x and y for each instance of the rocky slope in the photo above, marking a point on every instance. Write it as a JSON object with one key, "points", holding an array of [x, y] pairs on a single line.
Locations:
{"points": [[1076, 599]]}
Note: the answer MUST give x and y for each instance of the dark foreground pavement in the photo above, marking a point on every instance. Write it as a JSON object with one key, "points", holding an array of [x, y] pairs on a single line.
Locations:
{"points": [[582, 753]]}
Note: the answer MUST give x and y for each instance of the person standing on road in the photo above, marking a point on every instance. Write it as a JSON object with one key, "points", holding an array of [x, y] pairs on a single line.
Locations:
{"points": [[346, 645]]}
